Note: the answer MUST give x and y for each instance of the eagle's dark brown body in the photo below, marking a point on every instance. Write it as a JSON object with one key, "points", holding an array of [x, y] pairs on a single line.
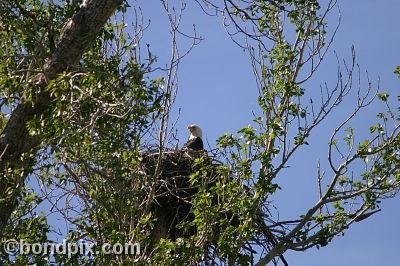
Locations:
{"points": [[195, 144]]}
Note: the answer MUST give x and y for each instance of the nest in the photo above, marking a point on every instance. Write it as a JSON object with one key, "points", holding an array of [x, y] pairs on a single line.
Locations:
{"points": [[172, 202]]}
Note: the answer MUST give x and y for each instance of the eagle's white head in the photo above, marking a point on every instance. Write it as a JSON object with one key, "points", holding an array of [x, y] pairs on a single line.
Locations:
{"points": [[195, 131]]}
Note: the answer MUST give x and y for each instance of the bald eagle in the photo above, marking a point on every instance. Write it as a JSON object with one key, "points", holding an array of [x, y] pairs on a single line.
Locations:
{"points": [[195, 141]]}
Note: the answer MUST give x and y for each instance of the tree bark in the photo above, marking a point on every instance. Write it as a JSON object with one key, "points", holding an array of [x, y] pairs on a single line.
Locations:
{"points": [[77, 34]]}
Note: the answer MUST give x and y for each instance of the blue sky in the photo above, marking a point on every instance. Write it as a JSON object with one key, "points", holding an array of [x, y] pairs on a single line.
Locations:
{"points": [[217, 91]]}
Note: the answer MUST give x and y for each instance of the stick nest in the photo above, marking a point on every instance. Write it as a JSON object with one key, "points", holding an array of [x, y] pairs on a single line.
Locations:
{"points": [[169, 174]]}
